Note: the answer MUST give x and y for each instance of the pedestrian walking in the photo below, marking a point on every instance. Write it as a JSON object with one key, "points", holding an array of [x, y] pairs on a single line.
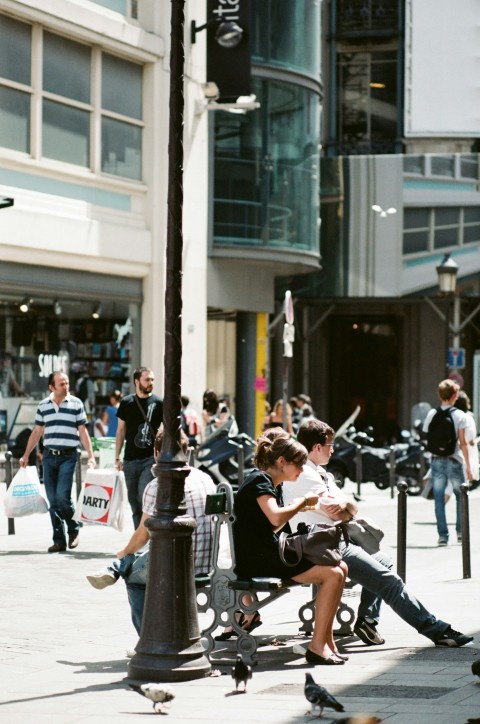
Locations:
{"points": [[139, 417], [61, 419], [445, 427]]}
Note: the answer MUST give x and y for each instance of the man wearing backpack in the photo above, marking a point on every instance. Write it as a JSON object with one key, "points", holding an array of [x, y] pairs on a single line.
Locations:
{"points": [[445, 432]]}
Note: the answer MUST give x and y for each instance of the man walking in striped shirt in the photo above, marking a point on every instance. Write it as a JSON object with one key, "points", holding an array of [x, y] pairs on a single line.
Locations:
{"points": [[61, 419]]}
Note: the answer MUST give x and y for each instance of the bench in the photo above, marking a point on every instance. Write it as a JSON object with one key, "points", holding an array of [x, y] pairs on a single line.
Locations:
{"points": [[223, 593]]}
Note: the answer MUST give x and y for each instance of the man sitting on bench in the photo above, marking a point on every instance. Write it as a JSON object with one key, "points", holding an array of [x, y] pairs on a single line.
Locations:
{"points": [[132, 560]]}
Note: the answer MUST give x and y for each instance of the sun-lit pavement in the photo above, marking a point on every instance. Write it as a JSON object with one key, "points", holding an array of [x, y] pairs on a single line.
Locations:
{"points": [[63, 643]]}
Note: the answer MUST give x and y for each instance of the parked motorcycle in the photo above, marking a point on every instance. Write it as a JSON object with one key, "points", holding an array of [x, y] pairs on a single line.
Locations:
{"points": [[375, 461], [218, 454]]}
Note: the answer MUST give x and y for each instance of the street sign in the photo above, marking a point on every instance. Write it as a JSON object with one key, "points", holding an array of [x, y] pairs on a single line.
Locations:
{"points": [[456, 357]]}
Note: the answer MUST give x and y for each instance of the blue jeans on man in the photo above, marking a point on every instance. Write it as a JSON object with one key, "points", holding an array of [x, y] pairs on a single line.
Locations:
{"points": [[379, 582], [138, 473], [134, 569], [443, 471], [58, 472]]}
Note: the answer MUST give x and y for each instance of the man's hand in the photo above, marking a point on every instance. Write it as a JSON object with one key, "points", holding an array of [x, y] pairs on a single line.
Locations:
{"points": [[119, 465], [23, 462], [92, 463]]}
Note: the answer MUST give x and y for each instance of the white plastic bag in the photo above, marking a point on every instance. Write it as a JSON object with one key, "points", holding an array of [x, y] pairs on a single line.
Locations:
{"points": [[23, 496], [102, 499]]}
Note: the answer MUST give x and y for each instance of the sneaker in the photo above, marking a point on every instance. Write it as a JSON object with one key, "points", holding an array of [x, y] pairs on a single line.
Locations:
{"points": [[459, 538], [367, 632], [442, 542], [130, 653], [57, 548], [453, 639], [103, 578], [73, 540]]}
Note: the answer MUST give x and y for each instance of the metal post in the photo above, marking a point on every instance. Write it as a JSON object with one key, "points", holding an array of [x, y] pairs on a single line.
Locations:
{"points": [[170, 647], [402, 530], [241, 464], [391, 471], [467, 570], [8, 480], [358, 467]]}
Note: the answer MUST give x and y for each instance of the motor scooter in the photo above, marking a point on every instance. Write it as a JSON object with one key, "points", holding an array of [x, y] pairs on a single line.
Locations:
{"points": [[218, 454]]}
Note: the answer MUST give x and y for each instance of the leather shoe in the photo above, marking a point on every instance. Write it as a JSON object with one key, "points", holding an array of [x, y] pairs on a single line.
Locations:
{"points": [[316, 659], [57, 548], [338, 655], [73, 540]]}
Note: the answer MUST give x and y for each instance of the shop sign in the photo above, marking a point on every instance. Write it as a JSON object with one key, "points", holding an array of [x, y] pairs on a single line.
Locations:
{"points": [[48, 363]]}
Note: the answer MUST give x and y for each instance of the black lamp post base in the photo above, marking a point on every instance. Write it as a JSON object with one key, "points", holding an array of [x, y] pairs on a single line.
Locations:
{"points": [[158, 668]]}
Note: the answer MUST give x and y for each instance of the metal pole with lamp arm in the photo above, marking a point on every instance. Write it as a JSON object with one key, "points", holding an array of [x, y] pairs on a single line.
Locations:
{"points": [[288, 339], [170, 648]]}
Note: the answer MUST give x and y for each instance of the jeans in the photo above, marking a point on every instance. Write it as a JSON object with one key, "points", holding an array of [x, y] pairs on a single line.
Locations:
{"points": [[374, 574], [444, 470], [138, 473], [134, 569], [58, 472]]}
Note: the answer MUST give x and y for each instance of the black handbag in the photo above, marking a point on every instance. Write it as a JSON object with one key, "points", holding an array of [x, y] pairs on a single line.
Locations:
{"points": [[317, 543]]}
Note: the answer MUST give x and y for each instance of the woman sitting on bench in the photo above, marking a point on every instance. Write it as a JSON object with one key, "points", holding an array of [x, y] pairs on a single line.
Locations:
{"points": [[261, 515]]}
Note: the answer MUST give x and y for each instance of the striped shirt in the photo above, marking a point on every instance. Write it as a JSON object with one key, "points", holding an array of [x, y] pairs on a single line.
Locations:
{"points": [[197, 486], [61, 422]]}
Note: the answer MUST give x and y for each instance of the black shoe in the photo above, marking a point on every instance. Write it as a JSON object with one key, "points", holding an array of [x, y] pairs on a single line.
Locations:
{"points": [[73, 540], [342, 657], [453, 639], [316, 659], [367, 632], [57, 548]]}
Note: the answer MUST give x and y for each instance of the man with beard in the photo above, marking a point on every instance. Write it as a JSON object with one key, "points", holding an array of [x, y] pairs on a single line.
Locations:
{"points": [[139, 416]]}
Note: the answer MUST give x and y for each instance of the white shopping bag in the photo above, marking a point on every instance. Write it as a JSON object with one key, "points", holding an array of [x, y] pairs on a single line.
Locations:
{"points": [[23, 496], [102, 499]]}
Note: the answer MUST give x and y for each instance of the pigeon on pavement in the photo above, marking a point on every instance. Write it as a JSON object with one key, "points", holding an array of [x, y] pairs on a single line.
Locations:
{"points": [[476, 667], [319, 697], [241, 672], [160, 694]]}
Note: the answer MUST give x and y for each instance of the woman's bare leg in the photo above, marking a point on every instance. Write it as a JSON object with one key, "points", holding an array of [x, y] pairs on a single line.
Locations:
{"points": [[331, 580]]}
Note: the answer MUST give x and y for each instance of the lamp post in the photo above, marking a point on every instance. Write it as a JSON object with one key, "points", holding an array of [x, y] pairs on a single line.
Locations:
{"points": [[447, 272], [170, 648]]}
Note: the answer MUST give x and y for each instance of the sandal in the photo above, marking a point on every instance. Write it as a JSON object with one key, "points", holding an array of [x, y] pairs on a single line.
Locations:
{"points": [[250, 626], [226, 635]]}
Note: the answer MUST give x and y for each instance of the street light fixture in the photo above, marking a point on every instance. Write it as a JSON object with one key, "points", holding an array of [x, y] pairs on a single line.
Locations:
{"points": [[228, 34], [447, 272]]}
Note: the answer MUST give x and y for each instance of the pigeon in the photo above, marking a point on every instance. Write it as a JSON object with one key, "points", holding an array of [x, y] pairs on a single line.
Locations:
{"points": [[476, 667], [319, 697], [160, 694], [241, 672]]}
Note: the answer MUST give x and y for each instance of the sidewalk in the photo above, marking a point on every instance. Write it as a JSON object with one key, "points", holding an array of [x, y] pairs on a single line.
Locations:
{"points": [[63, 643]]}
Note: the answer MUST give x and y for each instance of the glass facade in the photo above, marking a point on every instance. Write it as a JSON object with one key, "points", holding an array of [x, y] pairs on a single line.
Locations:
{"points": [[267, 170], [286, 33], [266, 179]]}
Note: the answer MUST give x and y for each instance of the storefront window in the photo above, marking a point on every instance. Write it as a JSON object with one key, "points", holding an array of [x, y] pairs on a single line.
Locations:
{"points": [[286, 33], [35, 343], [266, 170]]}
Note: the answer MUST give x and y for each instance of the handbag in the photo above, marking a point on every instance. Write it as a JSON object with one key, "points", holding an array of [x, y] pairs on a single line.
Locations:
{"points": [[23, 496], [365, 533], [317, 543]]}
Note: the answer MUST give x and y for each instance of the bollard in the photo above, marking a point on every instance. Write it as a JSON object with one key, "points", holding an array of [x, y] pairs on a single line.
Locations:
{"points": [[241, 464], [8, 480], [358, 468], [402, 531], [467, 570], [391, 471]]}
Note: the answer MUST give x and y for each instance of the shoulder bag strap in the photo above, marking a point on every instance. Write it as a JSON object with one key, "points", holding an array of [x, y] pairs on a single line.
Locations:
{"points": [[152, 431]]}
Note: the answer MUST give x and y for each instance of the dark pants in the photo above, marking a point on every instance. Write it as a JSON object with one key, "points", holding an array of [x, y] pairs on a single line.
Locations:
{"points": [[58, 472], [138, 473]]}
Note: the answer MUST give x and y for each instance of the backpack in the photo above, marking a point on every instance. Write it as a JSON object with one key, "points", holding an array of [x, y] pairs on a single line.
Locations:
{"points": [[441, 433]]}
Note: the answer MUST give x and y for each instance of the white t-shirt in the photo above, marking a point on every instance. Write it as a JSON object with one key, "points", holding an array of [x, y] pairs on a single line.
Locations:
{"points": [[313, 479]]}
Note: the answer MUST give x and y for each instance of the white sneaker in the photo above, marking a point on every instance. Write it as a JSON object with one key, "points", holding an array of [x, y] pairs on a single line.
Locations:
{"points": [[103, 578], [130, 653]]}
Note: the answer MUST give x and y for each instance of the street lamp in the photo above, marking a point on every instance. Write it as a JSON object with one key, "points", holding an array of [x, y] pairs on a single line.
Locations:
{"points": [[447, 272], [170, 647]]}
